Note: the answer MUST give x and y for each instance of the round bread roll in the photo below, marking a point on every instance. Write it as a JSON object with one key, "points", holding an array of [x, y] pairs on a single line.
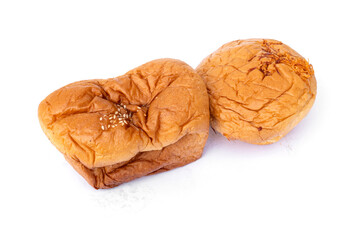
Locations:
{"points": [[152, 119], [259, 89]]}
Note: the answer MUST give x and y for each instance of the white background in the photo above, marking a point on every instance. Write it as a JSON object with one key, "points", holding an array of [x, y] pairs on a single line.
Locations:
{"points": [[306, 186]]}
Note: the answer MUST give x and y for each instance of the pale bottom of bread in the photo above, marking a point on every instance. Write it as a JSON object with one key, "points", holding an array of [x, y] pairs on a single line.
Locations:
{"points": [[188, 149]]}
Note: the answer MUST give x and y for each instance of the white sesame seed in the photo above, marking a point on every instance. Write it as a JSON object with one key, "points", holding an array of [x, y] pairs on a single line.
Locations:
{"points": [[108, 126], [100, 118], [102, 127]]}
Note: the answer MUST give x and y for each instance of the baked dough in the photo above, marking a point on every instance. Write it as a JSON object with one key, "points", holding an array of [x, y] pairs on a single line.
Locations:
{"points": [[259, 89], [152, 119]]}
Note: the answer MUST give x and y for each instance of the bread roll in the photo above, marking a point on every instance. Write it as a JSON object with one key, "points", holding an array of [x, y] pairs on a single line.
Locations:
{"points": [[259, 89], [152, 119]]}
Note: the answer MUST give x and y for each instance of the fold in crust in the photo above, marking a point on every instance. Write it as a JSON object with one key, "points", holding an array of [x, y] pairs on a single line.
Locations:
{"points": [[184, 151], [151, 119]]}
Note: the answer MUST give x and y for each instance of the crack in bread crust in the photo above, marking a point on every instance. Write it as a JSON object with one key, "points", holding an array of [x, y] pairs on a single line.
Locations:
{"points": [[257, 84]]}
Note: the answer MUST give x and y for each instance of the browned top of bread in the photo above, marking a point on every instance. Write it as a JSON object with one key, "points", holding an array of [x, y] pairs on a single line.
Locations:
{"points": [[259, 89], [103, 122]]}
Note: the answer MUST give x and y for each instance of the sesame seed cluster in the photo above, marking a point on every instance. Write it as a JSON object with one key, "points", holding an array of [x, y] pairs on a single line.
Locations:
{"points": [[121, 117]]}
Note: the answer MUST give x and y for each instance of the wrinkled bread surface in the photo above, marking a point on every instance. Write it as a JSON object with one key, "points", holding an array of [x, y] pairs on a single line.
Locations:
{"points": [[166, 124], [259, 89]]}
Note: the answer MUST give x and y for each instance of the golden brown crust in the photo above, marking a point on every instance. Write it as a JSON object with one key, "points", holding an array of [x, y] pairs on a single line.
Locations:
{"points": [[117, 123], [184, 151], [259, 89]]}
